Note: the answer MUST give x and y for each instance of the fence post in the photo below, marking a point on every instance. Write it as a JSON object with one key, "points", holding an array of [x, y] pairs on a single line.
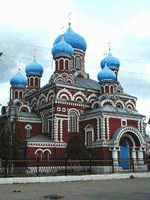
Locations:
{"points": [[6, 165], [65, 166], [133, 164], [90, 164], [38, 159], [112, 166]]}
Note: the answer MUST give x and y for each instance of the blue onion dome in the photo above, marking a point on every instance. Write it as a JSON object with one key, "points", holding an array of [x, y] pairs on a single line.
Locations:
{"points": [[111, 62], [106, 75], [34, 68], [18, 80], [62, 47], [74, 39]]}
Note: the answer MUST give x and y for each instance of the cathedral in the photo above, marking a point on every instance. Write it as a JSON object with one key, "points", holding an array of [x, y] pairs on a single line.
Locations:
{"points": [[72, 103]]}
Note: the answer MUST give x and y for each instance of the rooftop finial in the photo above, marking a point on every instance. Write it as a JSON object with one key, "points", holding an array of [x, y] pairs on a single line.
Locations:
{"points": [[109, 45], [34, 53], [19, 66], [69, 19], [62, 28]]}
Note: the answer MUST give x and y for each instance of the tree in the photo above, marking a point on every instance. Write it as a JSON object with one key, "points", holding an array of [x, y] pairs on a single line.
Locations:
{"points": [[76, 148], [10, 142], [15, 139]]}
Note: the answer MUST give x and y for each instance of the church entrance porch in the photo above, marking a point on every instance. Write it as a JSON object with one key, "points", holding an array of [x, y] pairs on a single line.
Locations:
{"points": [[129, 148]]}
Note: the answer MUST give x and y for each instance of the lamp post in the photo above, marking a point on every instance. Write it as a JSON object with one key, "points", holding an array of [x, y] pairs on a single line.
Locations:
{"points": [[1, 53]]}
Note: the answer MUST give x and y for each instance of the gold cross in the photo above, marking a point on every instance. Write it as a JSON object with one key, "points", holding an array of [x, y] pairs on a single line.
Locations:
{"points": [[109, 45], [69, 18], [19, 65], [105, 54], [62, 28], [34, 53]]}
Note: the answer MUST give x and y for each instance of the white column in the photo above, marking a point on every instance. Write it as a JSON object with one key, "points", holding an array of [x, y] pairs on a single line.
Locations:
{"points": [[77, 124], [139, 125], [61, 130], [140, 157], [134, 156], [107, 128], [142, 129], [56, 130], [97, 129], [68, 124], [115, 157], [33, 81], [103, 128]]}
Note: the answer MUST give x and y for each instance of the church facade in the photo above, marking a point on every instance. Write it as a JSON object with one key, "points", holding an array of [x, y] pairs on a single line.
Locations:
{"points": [[71, 102]]}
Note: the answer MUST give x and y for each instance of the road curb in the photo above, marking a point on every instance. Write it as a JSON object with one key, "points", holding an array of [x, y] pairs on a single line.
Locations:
{"points": [[50, 179]]}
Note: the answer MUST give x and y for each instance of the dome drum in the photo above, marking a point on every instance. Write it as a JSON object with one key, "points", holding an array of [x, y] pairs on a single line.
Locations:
{"points": [[62, 56]]}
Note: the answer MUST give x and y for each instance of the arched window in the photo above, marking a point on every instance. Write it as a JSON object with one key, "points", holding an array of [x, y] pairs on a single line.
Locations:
{"points": [[31, 81], [66, 64], [111, 88], [71, 63], [39, 153], [20, 95], [119, 105], [96, 106], [16, 94], [36, 82], [61, 64], [82, 64], [56, 65], [78, 63], [89, 135], [73, 121], [106, 89], [28, 129], [24, 110]]}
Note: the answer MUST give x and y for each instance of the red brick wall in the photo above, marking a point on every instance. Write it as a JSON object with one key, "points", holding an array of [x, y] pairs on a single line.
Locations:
{"points": [[36, 129], [132, 123], [114, 124], [55, 153], [92, 122]]}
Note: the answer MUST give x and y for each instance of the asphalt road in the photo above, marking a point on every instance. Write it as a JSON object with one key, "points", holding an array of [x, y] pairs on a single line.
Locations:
{"points": [[127, 189]]}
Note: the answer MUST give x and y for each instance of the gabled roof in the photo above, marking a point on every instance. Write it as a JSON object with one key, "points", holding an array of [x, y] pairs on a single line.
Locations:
{"points": [[107, 108], [84, 83], [39, 138]]}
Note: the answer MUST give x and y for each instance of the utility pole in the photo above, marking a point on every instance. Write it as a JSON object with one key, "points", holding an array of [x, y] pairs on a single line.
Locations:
{"points": [[10, 133]]}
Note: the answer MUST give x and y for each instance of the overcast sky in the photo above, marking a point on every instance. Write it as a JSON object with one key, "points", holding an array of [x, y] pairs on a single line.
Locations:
{"points": [[34, 23]]}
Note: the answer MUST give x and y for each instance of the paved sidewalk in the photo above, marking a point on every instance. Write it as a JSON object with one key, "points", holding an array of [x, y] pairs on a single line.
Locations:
{"points": [[49, 179], [122, 189]]}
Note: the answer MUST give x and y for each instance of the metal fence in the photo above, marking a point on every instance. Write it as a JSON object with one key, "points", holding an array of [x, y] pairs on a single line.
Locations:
{"points": [[55, 167]]}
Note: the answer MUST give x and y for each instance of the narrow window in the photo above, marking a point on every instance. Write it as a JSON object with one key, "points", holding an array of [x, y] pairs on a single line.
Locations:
{"points": [[20, 94], [73, 122], [31, 81], [61, 64], [78, 63], [16, 94], [66, 64], [28, 128], [36, 82]]}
